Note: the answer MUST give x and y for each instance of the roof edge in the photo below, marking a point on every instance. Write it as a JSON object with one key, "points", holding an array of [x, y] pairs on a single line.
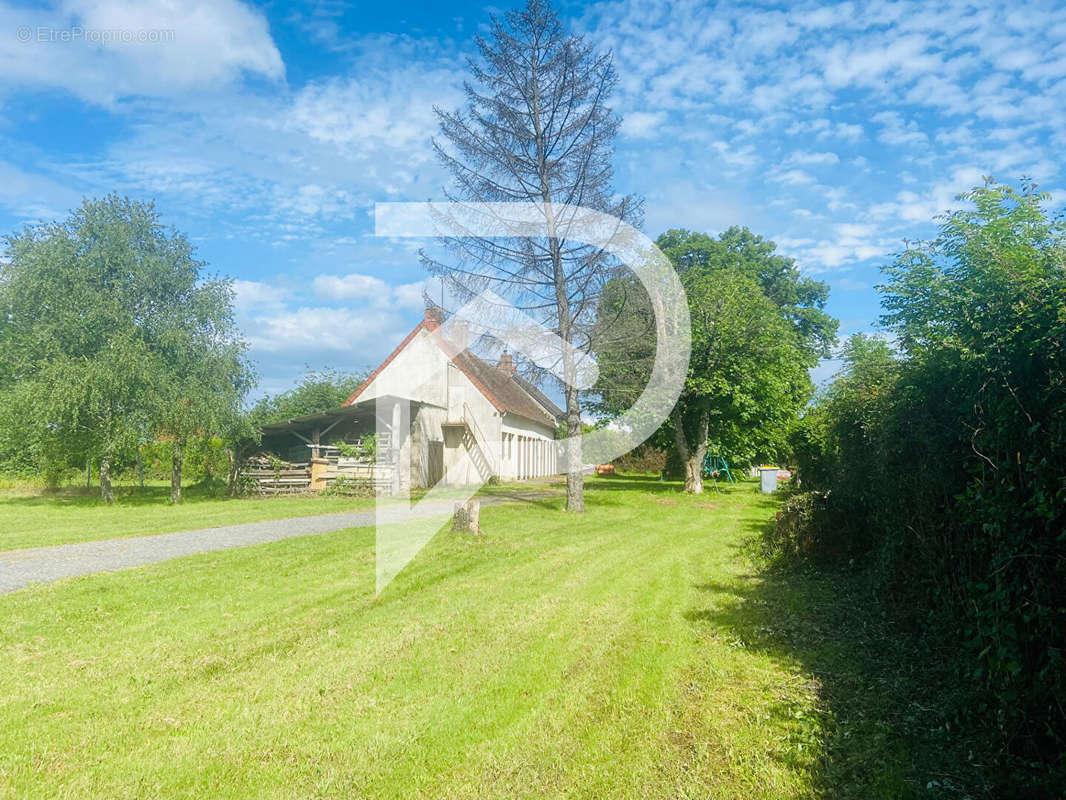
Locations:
{"points": [[389, 359]]}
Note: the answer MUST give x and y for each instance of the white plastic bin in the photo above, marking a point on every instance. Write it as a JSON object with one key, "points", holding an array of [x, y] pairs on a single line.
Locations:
{"points": [[768, 479]]}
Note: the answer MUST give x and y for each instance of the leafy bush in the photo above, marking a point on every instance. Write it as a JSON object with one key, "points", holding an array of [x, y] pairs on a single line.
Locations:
{"points": [[205, 458], [349, 486], [792, 535], [316, 391], [642, 460], [942, 470], [366, 448]]}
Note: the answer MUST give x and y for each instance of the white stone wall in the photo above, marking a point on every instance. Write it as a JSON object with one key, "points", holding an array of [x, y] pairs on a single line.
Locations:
{"points": [[418, 372], [517, 448], [527, 449], [459, 466]]}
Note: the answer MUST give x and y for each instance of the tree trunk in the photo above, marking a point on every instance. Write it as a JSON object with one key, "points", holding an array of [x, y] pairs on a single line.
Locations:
{"points": [[234, 471], [694, 475], [692, 452], [106, 492], [176, 458], [467, 517], [575, 477]]}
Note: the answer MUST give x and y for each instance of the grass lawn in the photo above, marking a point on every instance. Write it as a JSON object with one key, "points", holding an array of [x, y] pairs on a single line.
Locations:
{"points": [[36, 519], [30, 517], [627, 653]]}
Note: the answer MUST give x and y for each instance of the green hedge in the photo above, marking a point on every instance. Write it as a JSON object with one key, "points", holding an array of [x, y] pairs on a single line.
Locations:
{"points": [[940, 466]]}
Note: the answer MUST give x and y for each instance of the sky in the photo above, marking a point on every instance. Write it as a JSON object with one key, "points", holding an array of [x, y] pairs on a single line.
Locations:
{"points": [[266, 133]]}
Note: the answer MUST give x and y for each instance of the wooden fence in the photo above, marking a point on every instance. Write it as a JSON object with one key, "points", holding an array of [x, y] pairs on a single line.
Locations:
{"points": [[286, 479], [359, 474], [354, 473]]}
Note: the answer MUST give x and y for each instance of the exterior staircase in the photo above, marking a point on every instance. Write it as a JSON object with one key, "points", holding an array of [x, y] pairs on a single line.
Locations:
{"points": [[476, 444]]}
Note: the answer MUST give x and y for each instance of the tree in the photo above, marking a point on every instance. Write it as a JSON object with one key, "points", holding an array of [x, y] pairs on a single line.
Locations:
{"points": [[536, 128], [316, 391], [743, 374], [842, 441], [757, 326], [204, 374], [108, 332], [801, 300], [939, 468]]}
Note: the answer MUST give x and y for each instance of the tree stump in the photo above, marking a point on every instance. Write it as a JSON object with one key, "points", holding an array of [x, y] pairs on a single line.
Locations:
{"points": [[466, 517]]}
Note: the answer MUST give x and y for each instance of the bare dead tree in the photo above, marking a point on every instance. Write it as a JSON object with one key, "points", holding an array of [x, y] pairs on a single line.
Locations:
{"points": [[536, 128]]}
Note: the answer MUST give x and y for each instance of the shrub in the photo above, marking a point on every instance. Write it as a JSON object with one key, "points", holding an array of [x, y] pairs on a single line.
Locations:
{"points": [[942, 470], [366, 448], [349, 486], [793, 535], [642, 460]]}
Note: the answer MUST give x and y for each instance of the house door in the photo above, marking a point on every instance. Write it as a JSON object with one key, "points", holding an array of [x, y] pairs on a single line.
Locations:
{"points": [[436, 462]]}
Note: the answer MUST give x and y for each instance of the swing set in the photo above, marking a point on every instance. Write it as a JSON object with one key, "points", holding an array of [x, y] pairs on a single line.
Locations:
{"points": [[714, 467]]}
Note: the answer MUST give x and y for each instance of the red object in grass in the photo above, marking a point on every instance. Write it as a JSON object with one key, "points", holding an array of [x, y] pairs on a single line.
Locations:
{"points": [[605, 469]]}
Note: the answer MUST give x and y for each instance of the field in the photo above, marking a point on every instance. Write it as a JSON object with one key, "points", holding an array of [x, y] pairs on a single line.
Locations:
{"points": [[30, 518], [628, 652]]}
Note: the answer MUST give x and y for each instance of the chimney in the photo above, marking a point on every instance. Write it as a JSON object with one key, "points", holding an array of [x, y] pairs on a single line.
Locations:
{"points": [[459, 334], [434, 317], [506, 363]]}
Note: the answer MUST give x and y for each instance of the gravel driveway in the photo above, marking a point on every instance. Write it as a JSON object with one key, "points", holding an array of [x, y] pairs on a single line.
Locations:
{"points": [[20, 568]]}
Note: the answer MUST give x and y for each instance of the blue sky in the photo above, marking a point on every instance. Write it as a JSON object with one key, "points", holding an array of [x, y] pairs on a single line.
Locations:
{"points": [[266, 133]]}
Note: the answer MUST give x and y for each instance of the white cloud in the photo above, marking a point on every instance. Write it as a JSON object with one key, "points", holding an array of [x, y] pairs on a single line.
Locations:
{"points": [[410, 296], [915, 207], [793, 177], [313, 200], [195, 46], [850, 284], [743, 157], [812, 159], [281, 167], [34, 197], [897, 131], [815, 18], [848, 243], [371, 291], [381, 107], [313, 331], [642, 124], [866, 62], [353, 286], [258, 296], [823, 128]]}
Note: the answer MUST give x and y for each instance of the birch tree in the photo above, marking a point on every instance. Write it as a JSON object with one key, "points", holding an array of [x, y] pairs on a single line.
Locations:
{"points": [[109, 331]]}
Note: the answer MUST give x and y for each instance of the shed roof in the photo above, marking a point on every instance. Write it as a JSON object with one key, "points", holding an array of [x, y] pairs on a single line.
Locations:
{"points": [[362, 411]]}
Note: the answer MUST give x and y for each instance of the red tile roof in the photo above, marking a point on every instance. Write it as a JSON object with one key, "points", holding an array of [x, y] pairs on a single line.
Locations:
{"points": [[501, 388]]}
